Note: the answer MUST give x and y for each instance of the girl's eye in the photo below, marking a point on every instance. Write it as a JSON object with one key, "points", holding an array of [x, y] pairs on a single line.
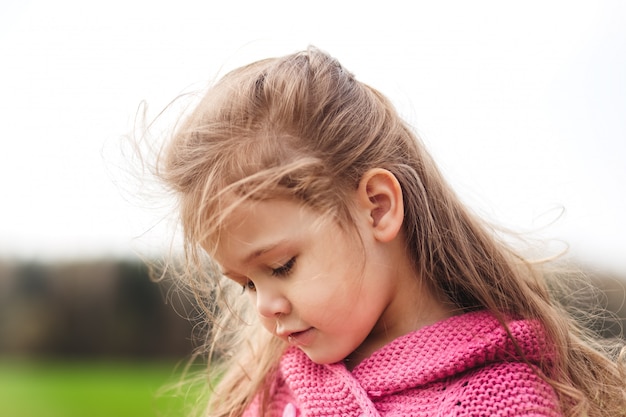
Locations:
{"points": [[284, 269], [249, 285]]}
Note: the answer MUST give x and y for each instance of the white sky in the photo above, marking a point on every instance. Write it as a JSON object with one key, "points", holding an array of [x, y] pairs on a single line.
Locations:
{"points": [[522, 103]]}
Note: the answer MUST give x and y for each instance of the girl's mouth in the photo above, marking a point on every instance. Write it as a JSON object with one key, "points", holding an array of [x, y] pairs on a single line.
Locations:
{"points": [[303, 338]]}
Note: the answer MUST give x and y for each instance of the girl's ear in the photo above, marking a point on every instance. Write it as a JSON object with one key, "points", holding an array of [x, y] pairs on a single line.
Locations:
{"points": [[380, 197]]}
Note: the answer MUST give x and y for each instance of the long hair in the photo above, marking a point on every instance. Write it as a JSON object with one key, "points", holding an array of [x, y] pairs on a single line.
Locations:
{"points": [[303, 127]]}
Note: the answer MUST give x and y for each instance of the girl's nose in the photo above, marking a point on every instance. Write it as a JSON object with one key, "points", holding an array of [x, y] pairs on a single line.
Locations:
{"points": [[271, 303]]}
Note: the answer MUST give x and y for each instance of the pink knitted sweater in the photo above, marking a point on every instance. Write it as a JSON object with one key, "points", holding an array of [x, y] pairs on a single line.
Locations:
{"points": [[462, 366]]}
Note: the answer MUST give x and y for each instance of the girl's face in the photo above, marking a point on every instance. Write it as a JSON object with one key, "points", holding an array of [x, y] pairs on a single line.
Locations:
{"points": [[314, 284]]}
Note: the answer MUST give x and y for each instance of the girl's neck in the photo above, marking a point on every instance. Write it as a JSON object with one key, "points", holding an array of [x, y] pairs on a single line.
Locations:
{"points": [[414, 307]]}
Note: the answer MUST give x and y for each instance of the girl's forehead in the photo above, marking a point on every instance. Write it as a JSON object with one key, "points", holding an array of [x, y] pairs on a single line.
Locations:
{"points": [[248, 216], [236, 215], [254, 226], [260, 227]]}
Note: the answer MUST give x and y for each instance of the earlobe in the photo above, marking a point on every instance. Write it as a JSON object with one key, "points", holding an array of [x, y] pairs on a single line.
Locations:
{"points": [[380, 196]]}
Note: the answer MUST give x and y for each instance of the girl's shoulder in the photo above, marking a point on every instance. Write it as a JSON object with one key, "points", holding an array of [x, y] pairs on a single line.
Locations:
{"points": [[513, 387]]}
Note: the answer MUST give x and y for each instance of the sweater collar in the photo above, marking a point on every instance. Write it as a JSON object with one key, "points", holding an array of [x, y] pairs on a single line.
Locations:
{"points": [[433, 353], [447, 348]]}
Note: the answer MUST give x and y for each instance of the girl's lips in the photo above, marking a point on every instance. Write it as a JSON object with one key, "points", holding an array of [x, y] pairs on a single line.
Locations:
{"points": [[303, 338]]}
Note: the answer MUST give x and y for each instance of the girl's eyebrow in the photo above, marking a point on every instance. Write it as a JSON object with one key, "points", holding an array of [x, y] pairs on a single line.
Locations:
{"points": [[257, 253]]}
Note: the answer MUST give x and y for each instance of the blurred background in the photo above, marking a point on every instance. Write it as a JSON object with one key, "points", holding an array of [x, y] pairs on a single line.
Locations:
{"points": [[522, 104]]}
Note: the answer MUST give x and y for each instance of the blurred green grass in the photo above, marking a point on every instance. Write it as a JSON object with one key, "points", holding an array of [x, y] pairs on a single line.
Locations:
{"points": [[88, 389]]}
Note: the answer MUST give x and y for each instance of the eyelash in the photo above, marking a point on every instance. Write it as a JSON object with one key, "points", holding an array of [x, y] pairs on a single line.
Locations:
{"points": [[281, 271], [284, 269]]}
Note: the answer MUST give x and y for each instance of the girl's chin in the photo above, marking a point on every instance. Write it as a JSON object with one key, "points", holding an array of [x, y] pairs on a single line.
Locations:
{"points": [[323, 358]]}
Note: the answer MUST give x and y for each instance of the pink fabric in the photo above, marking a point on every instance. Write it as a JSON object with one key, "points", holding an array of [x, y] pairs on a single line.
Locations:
{"points": [[463, 366]]}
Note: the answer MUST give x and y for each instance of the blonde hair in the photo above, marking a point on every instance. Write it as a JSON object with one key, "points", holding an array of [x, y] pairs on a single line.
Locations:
{"points": [[303, 127]]}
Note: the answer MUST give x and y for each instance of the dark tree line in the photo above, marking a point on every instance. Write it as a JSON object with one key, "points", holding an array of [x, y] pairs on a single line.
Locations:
{"points": [[113, 308], [100, 308]]}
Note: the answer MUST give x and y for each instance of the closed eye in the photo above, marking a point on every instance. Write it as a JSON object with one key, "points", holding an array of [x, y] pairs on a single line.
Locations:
{"points": [[284, 269]]}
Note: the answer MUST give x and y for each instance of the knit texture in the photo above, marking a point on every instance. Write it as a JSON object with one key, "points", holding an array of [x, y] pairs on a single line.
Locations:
{"points": [[462, 366]]}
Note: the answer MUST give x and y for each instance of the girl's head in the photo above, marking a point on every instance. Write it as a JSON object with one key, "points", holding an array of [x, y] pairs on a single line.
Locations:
{"points": [[303, 127], [299, 127]]}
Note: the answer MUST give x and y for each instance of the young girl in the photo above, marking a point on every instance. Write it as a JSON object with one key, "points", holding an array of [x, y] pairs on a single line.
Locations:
{"points": [[352, 280]]}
